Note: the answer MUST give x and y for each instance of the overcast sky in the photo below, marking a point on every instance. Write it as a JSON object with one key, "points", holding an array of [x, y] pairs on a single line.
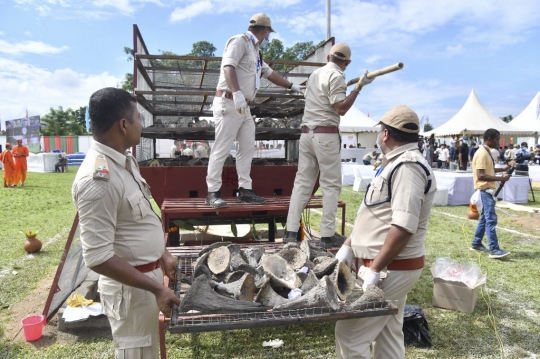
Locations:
{"points": [[57, 52]]}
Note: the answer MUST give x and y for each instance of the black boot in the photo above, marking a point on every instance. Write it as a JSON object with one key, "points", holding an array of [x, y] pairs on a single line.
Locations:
{"points": [[335, 241], [247, 195], [213, 199], [290, 237]]}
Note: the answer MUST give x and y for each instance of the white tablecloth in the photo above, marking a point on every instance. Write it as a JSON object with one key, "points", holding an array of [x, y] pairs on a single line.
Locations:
{"points": [[42, 162], [459, 184]]}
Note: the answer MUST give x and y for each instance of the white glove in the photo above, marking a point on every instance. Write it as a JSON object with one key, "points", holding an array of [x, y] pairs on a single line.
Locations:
{"points": [[240, 103], [345, 255], [295, 89], [370, 277], [364, 80]]}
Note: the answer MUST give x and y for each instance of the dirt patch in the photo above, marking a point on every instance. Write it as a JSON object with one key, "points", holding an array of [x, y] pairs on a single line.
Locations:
{"points": [[33, 304], [527, 221]]}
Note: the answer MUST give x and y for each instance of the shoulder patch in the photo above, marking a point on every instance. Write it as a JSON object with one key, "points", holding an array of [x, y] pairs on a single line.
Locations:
{"points": [[101, 169], [88, 189], [408, 156]]}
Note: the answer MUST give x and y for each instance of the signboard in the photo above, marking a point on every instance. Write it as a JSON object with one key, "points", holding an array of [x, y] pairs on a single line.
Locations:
{"points": [[27, 129]]}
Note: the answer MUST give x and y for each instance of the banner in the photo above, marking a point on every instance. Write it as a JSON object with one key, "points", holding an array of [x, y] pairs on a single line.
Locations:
{"points": [[27, 129]]}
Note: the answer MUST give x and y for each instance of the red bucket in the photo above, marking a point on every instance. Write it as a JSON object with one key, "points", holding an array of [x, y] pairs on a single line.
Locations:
{"points": [[33, 327]]}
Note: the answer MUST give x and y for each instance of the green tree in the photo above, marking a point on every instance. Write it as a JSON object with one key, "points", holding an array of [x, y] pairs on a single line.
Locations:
{"points": [[127, 83], [428, 127], [507, 118], [60, 122], [203, 48], [276, 51]]}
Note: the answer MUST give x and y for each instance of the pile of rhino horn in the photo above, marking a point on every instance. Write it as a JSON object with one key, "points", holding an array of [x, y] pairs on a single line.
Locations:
{"points": [[227, 279]]}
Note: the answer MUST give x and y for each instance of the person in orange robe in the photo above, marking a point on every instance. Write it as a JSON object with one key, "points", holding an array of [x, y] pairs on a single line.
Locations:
{"points": [[20, 152], [9, 166]]}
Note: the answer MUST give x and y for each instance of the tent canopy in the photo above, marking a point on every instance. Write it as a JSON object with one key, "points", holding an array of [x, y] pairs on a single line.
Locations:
{"points": [[475, 119], [529, 118], [355, 121]]}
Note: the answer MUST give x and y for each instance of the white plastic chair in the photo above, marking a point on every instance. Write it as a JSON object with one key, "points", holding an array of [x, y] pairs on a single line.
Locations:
{"points": [[360, 183]]}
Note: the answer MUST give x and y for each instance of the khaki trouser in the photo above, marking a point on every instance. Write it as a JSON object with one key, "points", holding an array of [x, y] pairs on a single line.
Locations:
{"points": [[134, 317], [318, 152], [230, 125], [355, 336]]}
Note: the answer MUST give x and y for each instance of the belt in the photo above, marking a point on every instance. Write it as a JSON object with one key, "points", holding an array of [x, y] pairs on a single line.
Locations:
{"points": [[400, 264], [224, 94], [148, 267], [321, 129]]}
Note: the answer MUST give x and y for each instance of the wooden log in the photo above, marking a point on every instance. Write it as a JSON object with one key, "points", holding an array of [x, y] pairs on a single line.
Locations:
{"points": [[242, 289], [281, 273], [219, 260], [234, 276], [203, 298], [201, 261], [310, 282], [268, 297], [323, 295], [238, 260], [373, 297], [260, 277], [295, 257], [211, 247]]}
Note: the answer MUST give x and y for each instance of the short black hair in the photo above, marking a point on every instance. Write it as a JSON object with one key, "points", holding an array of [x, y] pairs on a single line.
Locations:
{"points": [[107, 106], [524, 144], [491, 133], [400, 136]]}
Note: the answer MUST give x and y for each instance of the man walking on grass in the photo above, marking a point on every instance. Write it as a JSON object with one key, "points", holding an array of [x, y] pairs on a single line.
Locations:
{"points": [[483, 167]]}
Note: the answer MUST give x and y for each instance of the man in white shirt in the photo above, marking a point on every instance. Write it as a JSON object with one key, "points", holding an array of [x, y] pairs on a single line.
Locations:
{"points": [[443, 158]]}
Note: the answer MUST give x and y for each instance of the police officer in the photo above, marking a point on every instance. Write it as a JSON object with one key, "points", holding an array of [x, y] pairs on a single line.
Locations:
{"points": [[388, 236], [122, 237], [239, 80], [320, 147], [522, 157]]}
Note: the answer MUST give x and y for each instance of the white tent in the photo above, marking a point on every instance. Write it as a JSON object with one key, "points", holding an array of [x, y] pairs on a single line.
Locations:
{"points": [[529, 119], [355, 121], [475, 119]]}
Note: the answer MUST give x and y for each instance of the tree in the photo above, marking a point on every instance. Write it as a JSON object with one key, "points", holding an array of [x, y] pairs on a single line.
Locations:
{"points": [[428, 127], [276, 51], [203, 48], [127, 84], [62, 122], [507, 118]]}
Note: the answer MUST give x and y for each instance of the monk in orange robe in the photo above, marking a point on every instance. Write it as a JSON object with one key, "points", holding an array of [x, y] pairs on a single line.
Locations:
{"points": [[9, 166], [20, 152]]}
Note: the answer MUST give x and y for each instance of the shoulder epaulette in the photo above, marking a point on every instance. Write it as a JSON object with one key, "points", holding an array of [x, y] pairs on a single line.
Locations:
{"points": [[101, 168]]}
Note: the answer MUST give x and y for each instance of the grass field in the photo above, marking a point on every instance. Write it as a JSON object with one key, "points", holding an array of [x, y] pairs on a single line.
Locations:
{"points": [[505, 323]]}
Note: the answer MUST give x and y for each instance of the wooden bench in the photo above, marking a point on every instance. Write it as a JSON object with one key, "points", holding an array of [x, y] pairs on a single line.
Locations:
{"points": [[275, 210]]}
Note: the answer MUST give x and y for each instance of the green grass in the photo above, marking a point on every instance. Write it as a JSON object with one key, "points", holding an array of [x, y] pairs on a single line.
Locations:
{"points": [[508, 307]]}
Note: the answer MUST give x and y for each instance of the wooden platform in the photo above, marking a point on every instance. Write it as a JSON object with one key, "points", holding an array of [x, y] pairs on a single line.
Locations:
{"points": [[275, 210]]}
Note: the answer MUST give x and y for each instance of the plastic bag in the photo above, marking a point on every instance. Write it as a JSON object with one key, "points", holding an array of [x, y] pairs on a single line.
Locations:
{"points": [[449, 269], [476, 200], [415, 327]]}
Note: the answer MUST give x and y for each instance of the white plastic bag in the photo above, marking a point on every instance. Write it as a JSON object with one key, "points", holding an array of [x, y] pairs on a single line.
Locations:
{"points": [[476, 200]]}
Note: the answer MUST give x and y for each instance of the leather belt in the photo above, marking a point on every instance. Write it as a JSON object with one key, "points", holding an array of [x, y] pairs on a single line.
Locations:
{"points": [[400, 264], [321, 129], [227, 94], [148, 267]]}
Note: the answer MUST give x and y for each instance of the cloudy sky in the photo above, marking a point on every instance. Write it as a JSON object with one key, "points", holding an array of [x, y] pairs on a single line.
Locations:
{"points": [[57, 52]]}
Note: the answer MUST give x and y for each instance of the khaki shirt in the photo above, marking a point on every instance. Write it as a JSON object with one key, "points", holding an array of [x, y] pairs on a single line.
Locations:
{"points": [[242, 54], [325, 87], [483, 161], [409, 207], [115, 215]]}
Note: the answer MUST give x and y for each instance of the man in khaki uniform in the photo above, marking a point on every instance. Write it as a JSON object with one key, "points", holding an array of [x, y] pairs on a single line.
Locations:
{"points": [[388, 236], [122, 236], [320, 143], [239, 80]]}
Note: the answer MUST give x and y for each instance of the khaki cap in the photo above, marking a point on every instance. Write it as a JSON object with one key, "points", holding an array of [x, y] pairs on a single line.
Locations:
{"points": [[261, 19], [341, 51], [402, 118]]}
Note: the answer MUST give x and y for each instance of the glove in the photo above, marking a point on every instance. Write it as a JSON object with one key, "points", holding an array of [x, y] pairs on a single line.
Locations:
{"points": [[240, 103], [370, 277], [364, 81], [345, 255], [295, 88]]}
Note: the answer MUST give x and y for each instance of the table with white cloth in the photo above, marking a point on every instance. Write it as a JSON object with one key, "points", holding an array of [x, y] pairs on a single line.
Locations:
{"points": [[461, 187], [41, 162]]}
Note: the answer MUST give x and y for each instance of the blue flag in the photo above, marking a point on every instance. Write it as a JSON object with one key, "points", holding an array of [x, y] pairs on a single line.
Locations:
{"points": [[87, 120]]}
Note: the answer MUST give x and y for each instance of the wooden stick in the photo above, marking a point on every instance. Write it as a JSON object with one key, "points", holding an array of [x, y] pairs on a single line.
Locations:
{"points": [[379, 72]]}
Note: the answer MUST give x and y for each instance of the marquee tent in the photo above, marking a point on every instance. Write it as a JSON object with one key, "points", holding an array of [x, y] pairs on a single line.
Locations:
{"points": [[529, 118], [355, 121], [475, 119]]}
